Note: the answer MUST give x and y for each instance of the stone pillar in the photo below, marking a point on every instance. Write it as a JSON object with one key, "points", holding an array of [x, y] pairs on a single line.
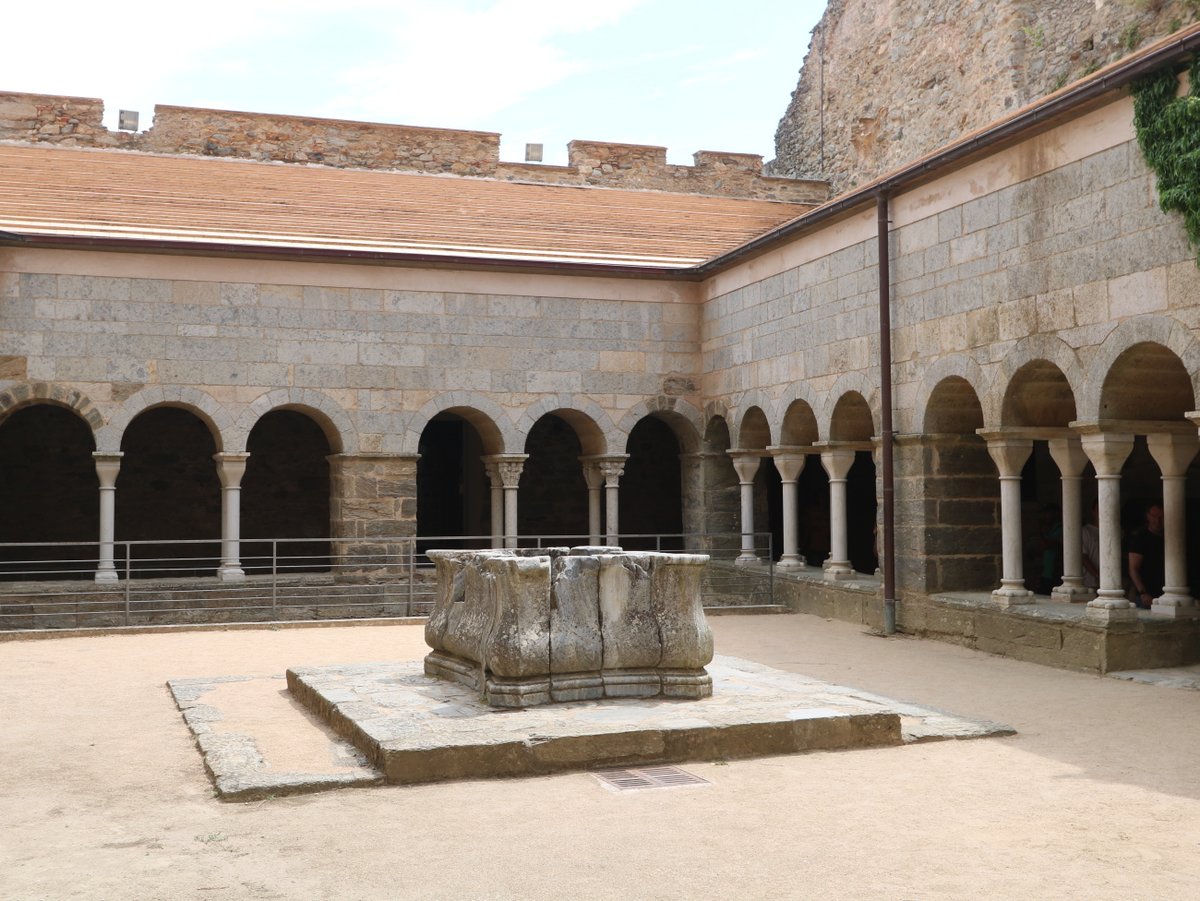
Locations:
{"points": [[691, 475], [107, 467], [1108, 452], [1173, 454], [509, 467], [497, 489], [230, 469], [1068, 454], [790, 463], [1010, 454], [745, 463], [372, 510], [595, 481], [613, 468], [837, 462]]}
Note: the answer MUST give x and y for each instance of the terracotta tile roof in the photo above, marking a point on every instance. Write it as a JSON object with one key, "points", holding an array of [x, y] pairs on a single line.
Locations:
{"points": [[59, 191]]}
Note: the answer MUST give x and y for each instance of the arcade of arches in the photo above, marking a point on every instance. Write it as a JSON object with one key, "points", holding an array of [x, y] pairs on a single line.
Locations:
{"points": [[993, 503]]}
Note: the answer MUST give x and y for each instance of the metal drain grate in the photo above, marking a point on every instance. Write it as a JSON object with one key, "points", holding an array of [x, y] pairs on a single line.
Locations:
{"points": [[647, 777]]}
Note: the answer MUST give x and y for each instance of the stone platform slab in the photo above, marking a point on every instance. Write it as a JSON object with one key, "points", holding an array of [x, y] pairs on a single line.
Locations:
{"points": [[417, 729]]}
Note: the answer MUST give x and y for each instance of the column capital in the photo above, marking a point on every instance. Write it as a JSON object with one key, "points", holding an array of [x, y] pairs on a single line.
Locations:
{"points": [[837, 460], [789, 460], [1009, 450], [1107, 451], [745, 463], [592, 474], [611, 466], [1173, 453], [508, 467], [231, 468], [108, 465], [1068, 455]]}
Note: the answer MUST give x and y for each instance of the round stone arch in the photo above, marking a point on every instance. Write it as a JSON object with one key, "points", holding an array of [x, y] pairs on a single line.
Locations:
{"points": [[1034, 349], [952, 367], [333, 421], [744, 427], [847, 384], [489, 419], [1165, 332], [792, 411], [684, 419], [210, 412], [589, 420], [753, 428], [26, 394]]}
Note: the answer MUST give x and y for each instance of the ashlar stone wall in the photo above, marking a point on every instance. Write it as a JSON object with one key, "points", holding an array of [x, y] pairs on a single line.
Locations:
{"points": [[1051, 252]]}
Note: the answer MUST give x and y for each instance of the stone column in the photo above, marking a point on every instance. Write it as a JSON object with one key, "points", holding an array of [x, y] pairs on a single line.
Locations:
{"points": [[745, 463], [613, 467], [107, 467], [230, 469], [509, 467], [595, 481], [1068, 454], [493, 474], [1173, 454], [1010, 454], [790, 463], [837, 462], [1108, 452]]}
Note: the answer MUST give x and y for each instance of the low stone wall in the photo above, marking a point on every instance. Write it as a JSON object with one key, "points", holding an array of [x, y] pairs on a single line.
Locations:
{"points": [[1058, 635], [77, 121]]}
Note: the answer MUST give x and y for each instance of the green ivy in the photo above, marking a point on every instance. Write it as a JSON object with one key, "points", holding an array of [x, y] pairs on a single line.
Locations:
{"points": [[1168, 132]]}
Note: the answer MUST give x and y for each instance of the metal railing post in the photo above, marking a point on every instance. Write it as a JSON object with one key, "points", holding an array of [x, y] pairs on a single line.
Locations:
{"points": [[128, 577], [274, 578], [412, 575]]}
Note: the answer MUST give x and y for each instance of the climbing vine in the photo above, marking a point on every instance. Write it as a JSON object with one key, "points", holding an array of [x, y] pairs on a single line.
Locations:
{"points": [[1168, 132]]}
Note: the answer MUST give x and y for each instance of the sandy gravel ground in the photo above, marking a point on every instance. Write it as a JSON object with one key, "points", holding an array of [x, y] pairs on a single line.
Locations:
{"points": [[102, 793]]}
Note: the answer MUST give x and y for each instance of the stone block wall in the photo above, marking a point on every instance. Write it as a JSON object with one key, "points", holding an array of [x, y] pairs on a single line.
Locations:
{"points": [[1054, 250], [373, 504], [77, 121]]}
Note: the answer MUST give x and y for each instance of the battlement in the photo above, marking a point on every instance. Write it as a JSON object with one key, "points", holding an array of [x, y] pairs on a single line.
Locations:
{"points": [[78, 121]]}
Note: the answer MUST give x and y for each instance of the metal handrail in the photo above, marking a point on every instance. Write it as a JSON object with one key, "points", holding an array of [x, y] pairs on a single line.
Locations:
{"points": [[352, 578]]}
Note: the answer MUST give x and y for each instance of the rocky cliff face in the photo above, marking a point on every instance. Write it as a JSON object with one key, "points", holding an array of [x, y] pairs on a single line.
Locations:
{"points": [[886, 81]]}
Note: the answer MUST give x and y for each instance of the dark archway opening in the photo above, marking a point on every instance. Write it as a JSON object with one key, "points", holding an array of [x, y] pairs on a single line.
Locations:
{"points": [[862, 505], [453, 490], [812, 507], [553, 498], [285, 495], [49, 493], [768, 509], [651, 488], [168, 490]]}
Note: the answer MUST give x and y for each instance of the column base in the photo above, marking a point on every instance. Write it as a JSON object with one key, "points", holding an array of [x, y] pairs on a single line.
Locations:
{"points": [[1111, 608], [1074, 594], [1176, 604], [1012, 595], [231, 574], [839, 571], [792, 562], [107, 575], [746, 560]]}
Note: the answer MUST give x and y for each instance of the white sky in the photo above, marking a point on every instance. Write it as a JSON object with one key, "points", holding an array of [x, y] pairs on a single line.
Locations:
{"points": [[682, 74]]}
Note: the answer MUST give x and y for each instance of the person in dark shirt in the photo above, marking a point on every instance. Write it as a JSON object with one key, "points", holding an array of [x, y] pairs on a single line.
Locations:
{"points": [[1147, 560]]}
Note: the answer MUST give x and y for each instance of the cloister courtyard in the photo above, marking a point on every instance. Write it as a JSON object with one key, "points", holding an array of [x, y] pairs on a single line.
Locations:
{"points": [[104, 794]]}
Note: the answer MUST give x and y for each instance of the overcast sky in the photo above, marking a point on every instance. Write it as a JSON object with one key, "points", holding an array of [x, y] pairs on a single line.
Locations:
{"points": [[685, 75]]}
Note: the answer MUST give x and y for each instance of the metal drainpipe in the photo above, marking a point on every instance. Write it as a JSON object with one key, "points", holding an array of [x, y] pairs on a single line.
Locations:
{"points": [[886, 433]]}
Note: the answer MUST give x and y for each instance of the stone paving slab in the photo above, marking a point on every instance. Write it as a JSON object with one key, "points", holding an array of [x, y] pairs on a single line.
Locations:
{"points": [[417, 729], [241, 738], [1168, 677]]}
